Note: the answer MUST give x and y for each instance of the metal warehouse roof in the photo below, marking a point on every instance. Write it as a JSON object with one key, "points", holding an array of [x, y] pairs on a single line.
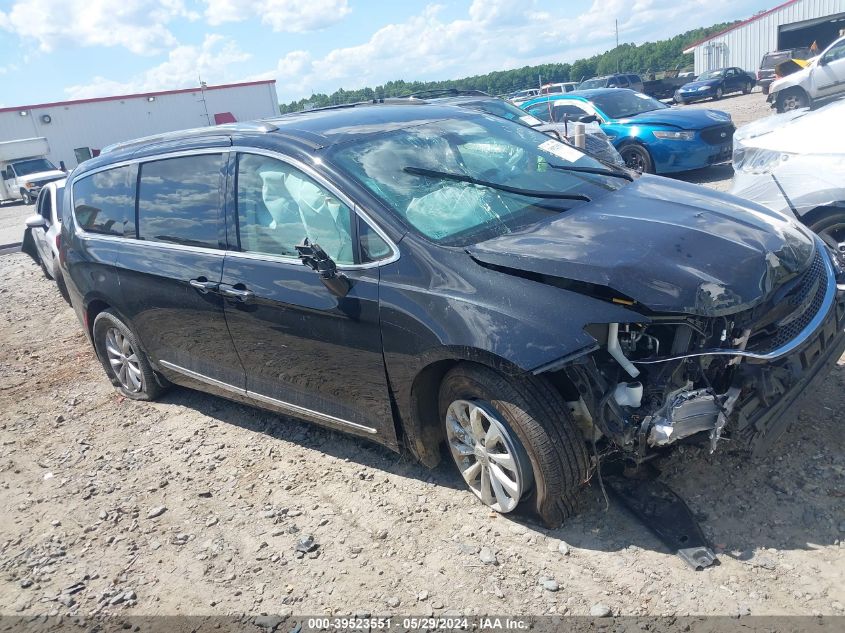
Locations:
{"points": [[140, 95], [754, 18]]}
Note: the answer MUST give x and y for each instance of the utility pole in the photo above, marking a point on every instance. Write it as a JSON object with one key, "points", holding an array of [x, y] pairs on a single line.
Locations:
{"points": [[202, 98], [616, 22]]}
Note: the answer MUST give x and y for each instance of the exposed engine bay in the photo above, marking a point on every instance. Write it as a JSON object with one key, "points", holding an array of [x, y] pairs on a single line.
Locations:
{"points": [[679, 378]]}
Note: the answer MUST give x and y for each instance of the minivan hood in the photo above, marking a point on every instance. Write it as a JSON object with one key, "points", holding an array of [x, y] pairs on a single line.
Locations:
{"points": [[684, 118], [672, 247]]}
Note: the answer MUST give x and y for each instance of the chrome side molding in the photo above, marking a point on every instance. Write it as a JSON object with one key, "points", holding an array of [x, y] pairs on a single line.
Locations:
{"points": [[284, 407]]}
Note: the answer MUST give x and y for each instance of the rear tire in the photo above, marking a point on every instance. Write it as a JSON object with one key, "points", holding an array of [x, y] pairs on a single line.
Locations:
{"points": [[747, 88], [636, 157], [60, 281], [123, 359], [536, 420]]}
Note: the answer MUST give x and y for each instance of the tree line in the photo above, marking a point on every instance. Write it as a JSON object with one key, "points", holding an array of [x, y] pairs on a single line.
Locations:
{"points": [[644, 58]]}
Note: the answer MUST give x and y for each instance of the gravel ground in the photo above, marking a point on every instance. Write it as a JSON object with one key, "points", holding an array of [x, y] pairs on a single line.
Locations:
{"points": [[196, 505]]}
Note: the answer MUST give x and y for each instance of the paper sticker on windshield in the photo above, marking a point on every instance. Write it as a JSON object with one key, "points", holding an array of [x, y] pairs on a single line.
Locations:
{"points": [[642, 96], [530, 120], [561, 150]]}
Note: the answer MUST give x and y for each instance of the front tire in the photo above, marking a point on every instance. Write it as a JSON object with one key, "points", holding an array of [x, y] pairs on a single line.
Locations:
{"points": [[636, 157], [25, 197], [719, 94], [123, 359], [830, 226], [792, 99], [520, 432]]}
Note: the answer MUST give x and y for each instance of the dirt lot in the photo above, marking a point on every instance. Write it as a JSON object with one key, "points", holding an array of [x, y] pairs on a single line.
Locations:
{"points": [[195, 505]]}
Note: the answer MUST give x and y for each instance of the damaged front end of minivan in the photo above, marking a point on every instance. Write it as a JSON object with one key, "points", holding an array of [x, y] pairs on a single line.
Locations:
{"points": [[741, 313], [713, 373]]}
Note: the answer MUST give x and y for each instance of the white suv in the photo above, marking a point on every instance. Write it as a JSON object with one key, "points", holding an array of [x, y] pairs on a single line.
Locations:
{"points": [[823, 77]]}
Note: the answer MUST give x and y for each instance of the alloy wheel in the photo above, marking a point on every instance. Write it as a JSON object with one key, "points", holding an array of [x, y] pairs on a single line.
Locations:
{"points": [[492, 462], [123, 360], [633, 160]]}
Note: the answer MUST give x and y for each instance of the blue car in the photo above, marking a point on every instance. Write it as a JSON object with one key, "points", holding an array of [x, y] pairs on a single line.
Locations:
{"points": [[651, 136], [715, 83]]}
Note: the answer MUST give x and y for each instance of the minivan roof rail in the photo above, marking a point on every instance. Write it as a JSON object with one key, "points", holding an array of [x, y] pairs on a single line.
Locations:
{"points": [[354, 104], [246, 126]]}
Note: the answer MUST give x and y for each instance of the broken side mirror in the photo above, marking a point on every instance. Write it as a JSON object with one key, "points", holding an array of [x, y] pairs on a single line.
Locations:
{"points": [[35, 221], [318, 260]]}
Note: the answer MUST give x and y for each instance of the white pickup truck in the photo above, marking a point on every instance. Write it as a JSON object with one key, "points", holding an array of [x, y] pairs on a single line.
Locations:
{"points": [[24, 169]]}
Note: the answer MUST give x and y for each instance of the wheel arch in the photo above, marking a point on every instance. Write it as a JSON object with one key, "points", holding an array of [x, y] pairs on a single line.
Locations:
{"points": [[814, 215], [419, 417], [784, 92]]}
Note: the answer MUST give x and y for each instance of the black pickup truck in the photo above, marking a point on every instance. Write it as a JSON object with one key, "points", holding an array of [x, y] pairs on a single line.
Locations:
{"points": [[664, 87]]}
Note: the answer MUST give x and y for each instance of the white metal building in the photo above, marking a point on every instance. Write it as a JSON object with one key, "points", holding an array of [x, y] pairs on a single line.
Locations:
{"points": [[77, 130], [794, 23]]}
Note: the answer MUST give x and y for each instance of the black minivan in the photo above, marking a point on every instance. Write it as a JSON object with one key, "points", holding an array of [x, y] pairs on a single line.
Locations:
{"points": [[432, 276]]}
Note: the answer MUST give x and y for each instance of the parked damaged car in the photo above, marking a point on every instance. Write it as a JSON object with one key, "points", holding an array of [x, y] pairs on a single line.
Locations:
{"points": [[821, 78], [42, 232], [794, 163], [424, 275], [650, 136]]}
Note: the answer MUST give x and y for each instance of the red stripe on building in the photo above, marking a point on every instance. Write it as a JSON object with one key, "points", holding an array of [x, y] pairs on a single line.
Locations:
{"points": [[140, 95]]}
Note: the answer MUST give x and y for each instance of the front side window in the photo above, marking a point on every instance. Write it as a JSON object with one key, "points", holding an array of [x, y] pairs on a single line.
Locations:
{"points": [[279, 206], [568, 111], [179, 200], [460, 181], [835, 53], [105, 202], [45, 208], [542, 111]]}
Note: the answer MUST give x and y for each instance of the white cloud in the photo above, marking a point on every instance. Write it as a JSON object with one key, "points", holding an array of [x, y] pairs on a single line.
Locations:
{"points": [[291, 16], [494, 35], [212, 60], [138, 25]]}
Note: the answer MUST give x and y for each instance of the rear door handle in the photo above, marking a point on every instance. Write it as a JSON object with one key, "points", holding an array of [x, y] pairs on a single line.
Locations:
{"points": [[238, 294], [204, 285]]}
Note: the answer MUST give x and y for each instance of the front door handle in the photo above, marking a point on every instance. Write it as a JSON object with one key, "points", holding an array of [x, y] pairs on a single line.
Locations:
{"points": [[238, 294], [204, 285]]}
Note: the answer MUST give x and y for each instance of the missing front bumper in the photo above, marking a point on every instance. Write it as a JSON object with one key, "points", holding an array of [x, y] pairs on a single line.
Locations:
{"points": [[772, 393]]}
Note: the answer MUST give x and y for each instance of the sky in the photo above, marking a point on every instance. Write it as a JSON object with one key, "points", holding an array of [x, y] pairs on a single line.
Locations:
{"points": [[54, 50]]}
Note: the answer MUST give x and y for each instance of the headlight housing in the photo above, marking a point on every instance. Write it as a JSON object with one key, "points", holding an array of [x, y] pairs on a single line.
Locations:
{"points": [[702, 88], [752, 160], [675, 135]]}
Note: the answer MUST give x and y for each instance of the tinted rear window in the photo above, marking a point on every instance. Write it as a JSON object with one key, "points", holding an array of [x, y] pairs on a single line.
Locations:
{"points": [[773, 59], [178, 200], [105, 202]]}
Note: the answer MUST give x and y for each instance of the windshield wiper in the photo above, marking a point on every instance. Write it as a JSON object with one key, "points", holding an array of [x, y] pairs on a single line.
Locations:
{"points": [[593, 170], [531, 193]]}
